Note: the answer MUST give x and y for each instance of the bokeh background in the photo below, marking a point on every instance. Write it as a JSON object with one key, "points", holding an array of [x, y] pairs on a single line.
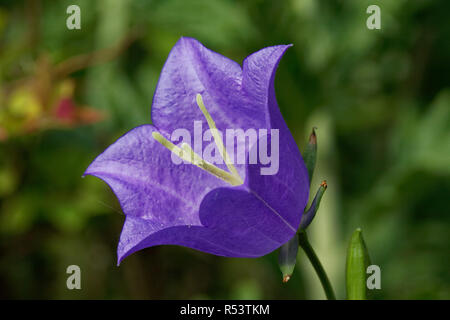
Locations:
{"points": [[379, 98]]}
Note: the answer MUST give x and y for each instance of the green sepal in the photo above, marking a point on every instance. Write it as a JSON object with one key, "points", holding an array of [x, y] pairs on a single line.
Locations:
{"points": [[309, 214], [310, 154], [287, 256]]}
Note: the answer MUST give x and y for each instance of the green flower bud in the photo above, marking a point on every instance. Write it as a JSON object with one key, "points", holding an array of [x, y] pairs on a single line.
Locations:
{"points": [[357, 262]]}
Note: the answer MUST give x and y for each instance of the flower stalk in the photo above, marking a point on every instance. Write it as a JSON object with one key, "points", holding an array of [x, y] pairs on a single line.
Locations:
{"points": [[311, 254]]}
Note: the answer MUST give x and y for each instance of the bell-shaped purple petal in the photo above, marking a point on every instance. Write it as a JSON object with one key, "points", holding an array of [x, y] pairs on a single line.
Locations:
{"points": [[182, 204]]}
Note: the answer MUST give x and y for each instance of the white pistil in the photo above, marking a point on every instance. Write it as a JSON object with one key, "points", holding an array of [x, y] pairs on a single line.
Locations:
{"points": [[216, 136], [186, 153]]}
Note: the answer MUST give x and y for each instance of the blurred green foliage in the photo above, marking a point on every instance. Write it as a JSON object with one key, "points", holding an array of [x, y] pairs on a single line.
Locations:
{"points": [[384, 93]]}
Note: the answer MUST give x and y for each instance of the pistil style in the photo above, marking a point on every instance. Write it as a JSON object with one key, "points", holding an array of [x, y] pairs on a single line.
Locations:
{"points": [[186, 153]]}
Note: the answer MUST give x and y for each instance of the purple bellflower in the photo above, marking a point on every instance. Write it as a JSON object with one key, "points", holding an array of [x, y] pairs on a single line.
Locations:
{"points": [[225, 209]]}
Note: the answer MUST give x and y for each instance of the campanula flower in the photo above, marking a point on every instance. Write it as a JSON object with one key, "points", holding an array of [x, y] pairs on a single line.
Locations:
{"points": [[174, 191]]}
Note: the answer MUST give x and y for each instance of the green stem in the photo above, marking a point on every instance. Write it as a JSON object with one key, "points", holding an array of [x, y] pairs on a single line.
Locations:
{"points": [[306, 246]]}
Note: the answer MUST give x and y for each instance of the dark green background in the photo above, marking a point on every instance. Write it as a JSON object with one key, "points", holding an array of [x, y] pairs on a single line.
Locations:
{"points": [[380, 100]]}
